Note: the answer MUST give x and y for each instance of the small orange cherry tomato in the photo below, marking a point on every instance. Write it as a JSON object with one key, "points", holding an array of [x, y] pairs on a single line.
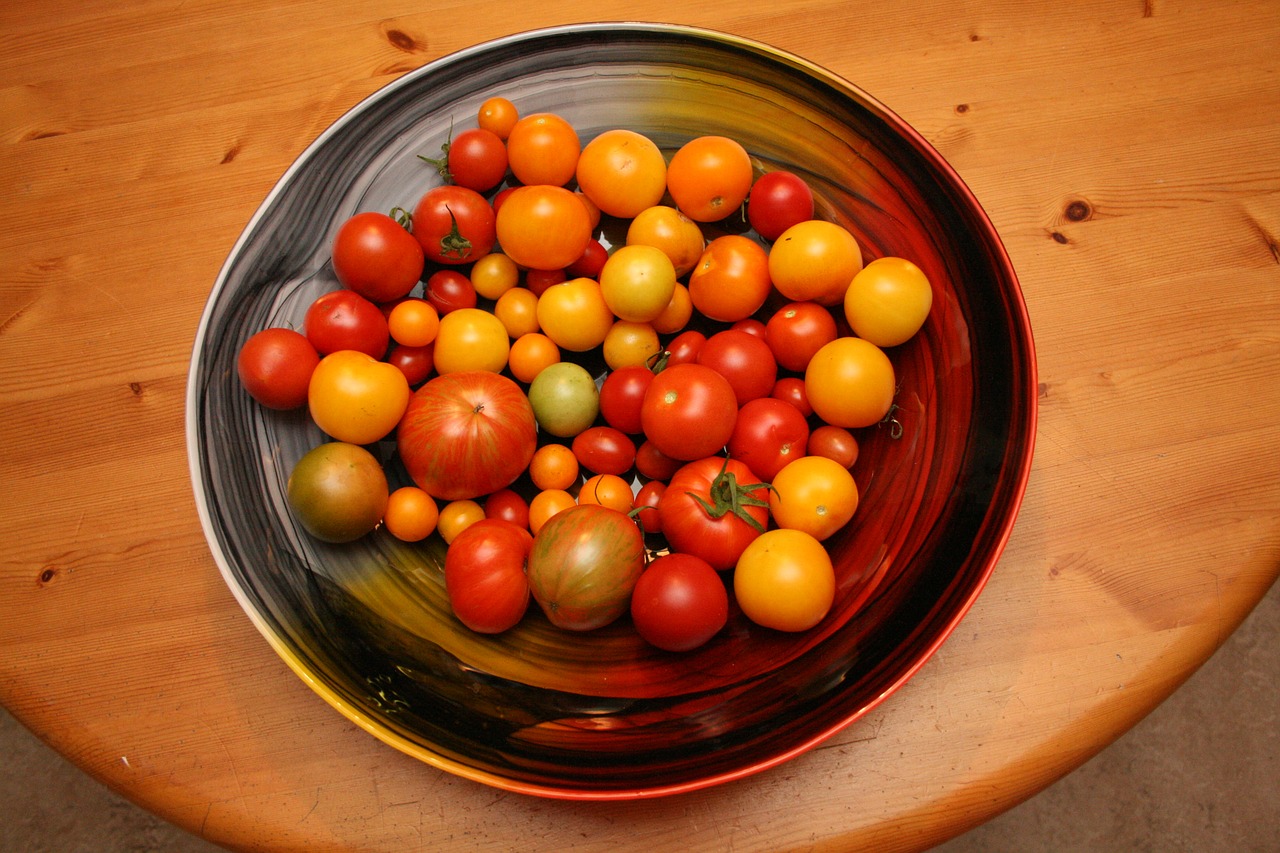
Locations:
{"points": [[498, 115], [815, 261], [574, 314], [731, 279], [517, 309], [457, 516], [554, 466], [543, 227], [709, 178], [411, 514], [814, 494], [607, 490], [413, 322], [666, 228], [471, 339], [623, 172], [543, 148], [494, 274], [850, 383], [531, 353], [677, 314], [545, 505]]}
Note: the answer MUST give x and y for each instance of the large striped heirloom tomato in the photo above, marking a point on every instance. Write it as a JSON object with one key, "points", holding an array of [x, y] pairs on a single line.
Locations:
{"points": [[467, 434]]}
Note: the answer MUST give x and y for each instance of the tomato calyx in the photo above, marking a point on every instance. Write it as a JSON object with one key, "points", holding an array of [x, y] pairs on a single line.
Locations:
{"points": [[453, 243], [729, 496]]}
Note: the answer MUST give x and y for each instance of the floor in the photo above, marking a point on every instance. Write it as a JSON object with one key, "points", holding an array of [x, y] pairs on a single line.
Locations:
{"points": [[1201, 774]]}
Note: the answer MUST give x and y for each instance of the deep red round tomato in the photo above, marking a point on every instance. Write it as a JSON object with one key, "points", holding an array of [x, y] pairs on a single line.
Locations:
{"points": [[768, 434], [343, 319], [679, 603], [777, 201], [477, 159], [744, 359], [484, 575], [604, 450], [751, 326], [467, 434], [591, 262], [275, 367], [583, 566], [416, 363], [376, 257], [448, 290], [622, 395], [654, 464], [688, 411], [508, 505], [646, 505], [684, 348], [797, 330], [455, 225], [713, 508], [537, 281], [790, 389], [835, 443]]}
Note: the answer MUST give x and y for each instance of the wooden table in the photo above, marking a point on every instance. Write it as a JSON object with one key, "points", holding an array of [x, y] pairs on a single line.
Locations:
{"points": [[1128, 154]]}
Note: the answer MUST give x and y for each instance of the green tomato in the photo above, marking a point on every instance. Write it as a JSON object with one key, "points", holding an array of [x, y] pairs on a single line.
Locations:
{"points": [[338, 492], [565, 399]]}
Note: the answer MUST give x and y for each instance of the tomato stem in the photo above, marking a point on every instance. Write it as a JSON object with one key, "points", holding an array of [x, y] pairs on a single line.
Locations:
{"points": [[728, 496], [403, 217]]}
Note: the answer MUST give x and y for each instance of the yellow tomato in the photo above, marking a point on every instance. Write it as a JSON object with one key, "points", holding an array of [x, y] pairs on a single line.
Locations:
{"points": [[574, 314], [629, 344], [457, 516], [888, 301], [637, 283], [665, 228], [785, 580], [471, 339], [355, 398], [494, 274], [850, 383], [814, 261], [814, 494]]}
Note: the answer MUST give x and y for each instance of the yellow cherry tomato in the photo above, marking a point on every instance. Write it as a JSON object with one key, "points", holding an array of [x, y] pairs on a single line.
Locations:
{"points": [[850, 383], [888, 301], [411, 514], [355, 398], [574, 314], [814, 494], [637, 282], [785, 580], [457, 516], [471, 339]]}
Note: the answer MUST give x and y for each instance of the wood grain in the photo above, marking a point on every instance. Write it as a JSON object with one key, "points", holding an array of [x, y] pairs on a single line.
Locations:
{"points": [[1129, 156]]}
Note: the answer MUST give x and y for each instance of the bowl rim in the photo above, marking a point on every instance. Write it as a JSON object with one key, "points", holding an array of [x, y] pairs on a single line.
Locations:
{"points": [[1019, 478]]}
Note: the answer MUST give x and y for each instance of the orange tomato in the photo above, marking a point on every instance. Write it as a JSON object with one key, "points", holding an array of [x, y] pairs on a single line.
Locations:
{"points": [[637, 283], [413, 322], [411, 514], [850, 383], [543, 227], [709, 178], [543, 148], [666, 228], [530, 354], [677, 313], [731, 279], [545, 505], [457, 516], [888, 301], [574, 314], [471, 339], [629, 344], [785, 580], [517, 310], [494, 274], [623, 172], [607, 490], [554, 466], [355, 398], [814, 494], [814, 261], [498, 115]]}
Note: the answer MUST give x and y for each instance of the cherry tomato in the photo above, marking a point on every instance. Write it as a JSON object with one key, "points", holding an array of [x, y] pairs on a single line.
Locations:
{"points": [[448, 290], [797, 330], [345, 320], [499, 115], [684, 348], [623, 172], [454, 224], [411, 514], [275, 367], [337, 491], [355, 398], [413, 322], [637, 283], [553, 466], [416, 363], [546, 505], [456, 516], [531, 353], [709, 178], [543, 227], [517, 310], [850, 383], [784, 580], [751, 326], [484, 575], [507, 505], [814, 494], [477, 159], [537, 281], [646, 505], [814, 261], [669, 230], [471, 339], [835, 443], [790, 389], [591, 261], [604, 450], [677, 313], [622, 395], [543, 148], [608, 490], [630, 345], [493, 275], [679, 603], [777, 201], [713, 508], [574, 314], [888, 301], [731, 279], [654, 464], [376, 257], [689, 411], [744, 359], [564, 398], [768, 435]]}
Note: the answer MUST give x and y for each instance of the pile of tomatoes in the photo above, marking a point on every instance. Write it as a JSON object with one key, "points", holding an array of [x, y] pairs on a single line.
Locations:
{"points": [[618, 381]]}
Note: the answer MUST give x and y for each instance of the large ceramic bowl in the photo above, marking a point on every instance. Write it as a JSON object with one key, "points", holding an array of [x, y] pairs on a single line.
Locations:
{"points": [[601, 715]]}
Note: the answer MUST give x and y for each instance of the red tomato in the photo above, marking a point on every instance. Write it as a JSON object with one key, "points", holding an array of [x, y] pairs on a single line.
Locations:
{"points": [[467, 434], [646, 505], [777, 201], [455, 225], [688, 411], [797, 330], [604, 450], [835, 443], [449, 290], [731, 280], [343, 319], [622, 395], [584, 564], [508, 505], [591, 262], [679, 603], [684, 348], [416, 363], [275, 367], [768, 434], [744, 359], [654, 464], [484, 575], [477, 159], [790, 389], [376, 257], [713, 508]]}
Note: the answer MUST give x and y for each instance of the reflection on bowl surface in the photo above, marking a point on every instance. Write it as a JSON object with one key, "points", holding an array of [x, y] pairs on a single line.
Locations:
{"points": [[603, 715]]}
